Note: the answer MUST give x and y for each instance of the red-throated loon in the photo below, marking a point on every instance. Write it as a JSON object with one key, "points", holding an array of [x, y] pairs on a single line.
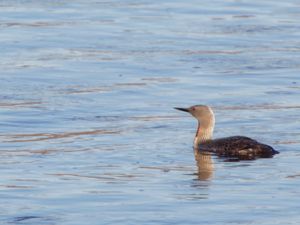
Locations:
{"points": [[237, 147]]}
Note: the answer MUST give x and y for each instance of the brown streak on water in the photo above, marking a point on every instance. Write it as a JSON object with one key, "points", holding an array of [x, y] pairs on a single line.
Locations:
{"points": [[228, 52], [153, 118], [256, 107], [243, 16], [167, 168], [104, 177], [19, 104], [287, 142], [17, 186], [49, 136], [89, 90], [160, 79], [293, 176], [130, 84], [33, 24], [101, 89], [27, 152]]}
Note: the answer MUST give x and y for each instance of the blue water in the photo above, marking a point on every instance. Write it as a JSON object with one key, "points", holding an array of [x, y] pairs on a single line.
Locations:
{"points": [[88, 131]]}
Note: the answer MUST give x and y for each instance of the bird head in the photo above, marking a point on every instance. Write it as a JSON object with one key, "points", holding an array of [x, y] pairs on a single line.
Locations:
{"points": [[200, 112]]}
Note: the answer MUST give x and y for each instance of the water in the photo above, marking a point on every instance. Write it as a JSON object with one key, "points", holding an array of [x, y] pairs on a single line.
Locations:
{"points": [[88, 131]]}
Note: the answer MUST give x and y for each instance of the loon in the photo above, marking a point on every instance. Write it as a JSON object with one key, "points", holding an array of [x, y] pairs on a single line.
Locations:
{"points": [[235, 147]]}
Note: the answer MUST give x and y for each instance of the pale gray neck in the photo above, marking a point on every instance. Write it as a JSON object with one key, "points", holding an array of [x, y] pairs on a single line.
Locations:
{"points": [[205, 130]]}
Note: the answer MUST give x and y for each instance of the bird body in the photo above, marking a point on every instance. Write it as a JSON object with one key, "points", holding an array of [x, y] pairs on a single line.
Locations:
{"points": [[236, 147]]}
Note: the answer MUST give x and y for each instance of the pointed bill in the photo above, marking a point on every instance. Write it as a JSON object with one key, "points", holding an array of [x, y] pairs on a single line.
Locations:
{"points": [[182, 109]]}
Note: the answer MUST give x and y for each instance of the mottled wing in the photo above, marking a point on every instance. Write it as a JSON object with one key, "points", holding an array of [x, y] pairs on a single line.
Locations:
{"points": [[239, 147]]}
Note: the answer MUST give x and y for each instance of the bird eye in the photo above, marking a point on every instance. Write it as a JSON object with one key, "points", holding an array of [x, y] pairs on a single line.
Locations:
{"points": [[193, 108]]}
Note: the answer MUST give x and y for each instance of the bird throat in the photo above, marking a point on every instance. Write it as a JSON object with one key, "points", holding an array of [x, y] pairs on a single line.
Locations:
{"points": [[203, 134]]}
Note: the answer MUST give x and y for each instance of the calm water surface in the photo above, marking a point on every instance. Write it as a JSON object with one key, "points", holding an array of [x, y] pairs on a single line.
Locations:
{"points": [[88, 134]]}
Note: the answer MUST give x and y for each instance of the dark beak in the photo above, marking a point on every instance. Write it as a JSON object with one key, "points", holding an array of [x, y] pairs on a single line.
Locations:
{"points": [[183, 109]]}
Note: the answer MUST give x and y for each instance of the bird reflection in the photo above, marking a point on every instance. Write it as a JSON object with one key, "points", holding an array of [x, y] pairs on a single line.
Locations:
{"points": [[205, 164]]}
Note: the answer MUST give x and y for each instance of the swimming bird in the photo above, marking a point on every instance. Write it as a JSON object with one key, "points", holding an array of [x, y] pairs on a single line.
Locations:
{"points": [[235, 147]]}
